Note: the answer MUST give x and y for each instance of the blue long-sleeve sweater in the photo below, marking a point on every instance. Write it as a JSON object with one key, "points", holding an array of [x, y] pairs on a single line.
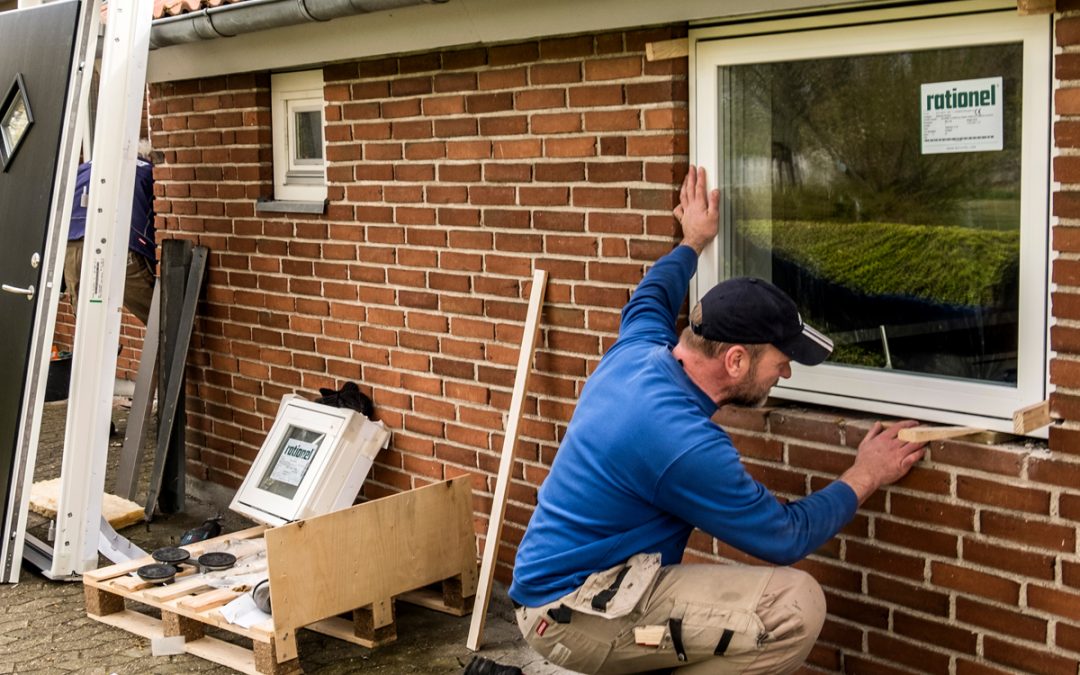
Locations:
{"points": [[642, 464]]}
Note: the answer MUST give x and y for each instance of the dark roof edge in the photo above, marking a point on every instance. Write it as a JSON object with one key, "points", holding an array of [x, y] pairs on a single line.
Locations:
{"points": [[254, 15]]}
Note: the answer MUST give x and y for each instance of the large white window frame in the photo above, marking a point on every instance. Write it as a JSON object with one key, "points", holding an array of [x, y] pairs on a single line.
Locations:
{"points": [[291, 94], [928, 398]]}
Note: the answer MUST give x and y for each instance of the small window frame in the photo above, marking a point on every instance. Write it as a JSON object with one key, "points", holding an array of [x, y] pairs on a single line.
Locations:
{"points": [[9, 147], [292, 93], [929, 398]]}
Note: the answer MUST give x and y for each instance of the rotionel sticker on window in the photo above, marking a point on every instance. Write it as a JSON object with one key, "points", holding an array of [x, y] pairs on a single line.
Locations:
{"points": [[961, 116]]}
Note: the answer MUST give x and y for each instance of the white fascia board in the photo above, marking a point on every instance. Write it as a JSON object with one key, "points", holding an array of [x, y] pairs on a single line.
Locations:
{"points": [[438, 26]]}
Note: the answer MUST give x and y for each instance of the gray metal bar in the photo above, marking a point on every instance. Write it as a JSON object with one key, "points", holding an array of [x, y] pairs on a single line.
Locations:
{"points": [[175, 375], [131, 455]]}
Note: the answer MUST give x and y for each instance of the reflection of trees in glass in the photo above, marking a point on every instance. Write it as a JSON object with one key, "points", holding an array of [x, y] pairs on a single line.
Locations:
{"points": [[830, 196], [842, 138]]}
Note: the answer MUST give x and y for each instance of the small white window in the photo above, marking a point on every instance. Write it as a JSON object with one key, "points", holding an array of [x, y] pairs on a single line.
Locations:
{"points": [[299, 157], [313, 461], [892, 177]]}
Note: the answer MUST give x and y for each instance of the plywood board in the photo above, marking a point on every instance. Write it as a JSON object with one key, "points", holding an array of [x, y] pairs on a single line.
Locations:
{"points": [[120, 512], [369, 553]]}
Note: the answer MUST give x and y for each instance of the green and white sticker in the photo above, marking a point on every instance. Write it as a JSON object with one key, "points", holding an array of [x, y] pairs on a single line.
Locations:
{"points": [[962, 116]]}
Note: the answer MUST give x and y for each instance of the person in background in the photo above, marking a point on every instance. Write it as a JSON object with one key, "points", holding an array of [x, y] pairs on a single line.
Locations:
{"points": [[599, 585], [142, 258]]}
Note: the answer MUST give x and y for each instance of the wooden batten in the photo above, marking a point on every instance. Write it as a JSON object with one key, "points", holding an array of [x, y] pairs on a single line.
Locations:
{"points": [[667, 49], [1028, 7], [925, 434], [1026, 420]]}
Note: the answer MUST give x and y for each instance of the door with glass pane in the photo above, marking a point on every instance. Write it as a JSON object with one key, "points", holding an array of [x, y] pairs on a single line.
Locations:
{"points": [[891, 179]]}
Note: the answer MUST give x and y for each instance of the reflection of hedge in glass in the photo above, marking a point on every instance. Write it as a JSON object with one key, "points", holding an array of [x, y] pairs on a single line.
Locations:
{"points": [[942, 264]]}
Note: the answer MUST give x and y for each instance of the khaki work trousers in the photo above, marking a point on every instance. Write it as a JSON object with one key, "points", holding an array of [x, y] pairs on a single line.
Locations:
{"points": [[138, 283], [760, 620]]}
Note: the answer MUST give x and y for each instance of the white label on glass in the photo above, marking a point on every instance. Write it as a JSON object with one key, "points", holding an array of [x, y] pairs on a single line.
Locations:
{"points": [[293, 462], [961, 116]]}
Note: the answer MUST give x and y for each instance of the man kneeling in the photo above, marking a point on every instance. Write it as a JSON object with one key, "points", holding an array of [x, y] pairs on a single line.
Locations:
{"points": [[597, 584]]}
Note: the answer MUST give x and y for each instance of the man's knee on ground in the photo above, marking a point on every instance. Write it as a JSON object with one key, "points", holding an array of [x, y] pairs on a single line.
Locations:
{"points": [[792, 604]]}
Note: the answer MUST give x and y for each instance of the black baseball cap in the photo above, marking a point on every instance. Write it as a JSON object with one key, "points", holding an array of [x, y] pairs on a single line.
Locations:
{"points": [[746, 310]]}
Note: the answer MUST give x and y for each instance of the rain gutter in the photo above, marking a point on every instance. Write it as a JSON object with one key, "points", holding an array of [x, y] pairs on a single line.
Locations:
{"points": [[249, 16]]}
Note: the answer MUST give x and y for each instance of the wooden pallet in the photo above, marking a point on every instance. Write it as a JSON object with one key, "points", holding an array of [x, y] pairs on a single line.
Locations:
{"points": [[418, 546]]}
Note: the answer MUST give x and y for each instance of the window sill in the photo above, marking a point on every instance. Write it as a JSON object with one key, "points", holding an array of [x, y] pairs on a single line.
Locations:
{"points": [[286, 206]]}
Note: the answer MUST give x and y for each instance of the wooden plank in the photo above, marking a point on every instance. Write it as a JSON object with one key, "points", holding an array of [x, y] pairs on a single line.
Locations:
{"points": [[227, 654], [134, 622], [667, 49], [341, 629], [120, 569], [1026, 420], [1029, 7], [212, 649], [430, 599], [506, 462], [128, 585], [207, 601], [175, 590], [316, 573], [924, 434]]}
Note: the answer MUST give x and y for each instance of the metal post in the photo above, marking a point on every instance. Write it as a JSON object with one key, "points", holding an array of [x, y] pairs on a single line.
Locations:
{"points": [[97, 332]]}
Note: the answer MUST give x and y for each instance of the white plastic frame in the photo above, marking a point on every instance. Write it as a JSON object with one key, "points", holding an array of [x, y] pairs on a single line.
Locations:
{"points": [[335, 472], [928, 398], [290, 93]]}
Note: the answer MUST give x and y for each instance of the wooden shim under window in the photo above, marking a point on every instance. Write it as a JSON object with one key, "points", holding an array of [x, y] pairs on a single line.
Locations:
{"points": [[506, 462], [1026, 7], [1026, 420], [924, 434], [667, 49]]}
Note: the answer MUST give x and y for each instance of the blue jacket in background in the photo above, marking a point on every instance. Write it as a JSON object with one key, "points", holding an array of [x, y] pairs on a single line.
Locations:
{"points": [[141, 236], [642, 464]]}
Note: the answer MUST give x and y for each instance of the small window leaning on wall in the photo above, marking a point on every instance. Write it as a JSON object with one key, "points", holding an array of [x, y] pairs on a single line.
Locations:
{"points": [[891, 174], [297, 117]]}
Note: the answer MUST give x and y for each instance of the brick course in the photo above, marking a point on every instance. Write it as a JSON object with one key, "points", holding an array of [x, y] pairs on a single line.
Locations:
{"points": [[452, 176]]}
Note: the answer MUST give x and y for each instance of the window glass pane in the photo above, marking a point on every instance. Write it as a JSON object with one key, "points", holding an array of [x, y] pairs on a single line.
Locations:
{"points": [[14, 123], [901, 242], [292, 459], [309, 141]]}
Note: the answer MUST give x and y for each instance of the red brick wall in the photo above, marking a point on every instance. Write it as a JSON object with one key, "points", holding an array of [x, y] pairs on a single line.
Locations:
{"points": [[131, 338], [452, 176]]}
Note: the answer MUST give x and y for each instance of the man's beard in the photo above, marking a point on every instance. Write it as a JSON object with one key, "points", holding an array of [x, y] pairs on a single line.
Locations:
{"points": [[750, 394]]}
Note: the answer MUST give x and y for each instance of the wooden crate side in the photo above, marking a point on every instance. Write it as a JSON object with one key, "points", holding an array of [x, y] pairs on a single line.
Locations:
{"points": [[367, 554]]}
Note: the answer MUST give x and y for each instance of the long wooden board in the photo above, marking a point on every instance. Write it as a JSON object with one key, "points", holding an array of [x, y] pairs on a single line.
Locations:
{"points": [[506, 462]]}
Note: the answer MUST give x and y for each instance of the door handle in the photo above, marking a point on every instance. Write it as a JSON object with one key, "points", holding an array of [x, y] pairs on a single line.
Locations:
{"points": [[28, 292]]}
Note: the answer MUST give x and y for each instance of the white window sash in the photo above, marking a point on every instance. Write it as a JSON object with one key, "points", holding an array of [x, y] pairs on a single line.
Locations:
{"points": [[925, 397]]}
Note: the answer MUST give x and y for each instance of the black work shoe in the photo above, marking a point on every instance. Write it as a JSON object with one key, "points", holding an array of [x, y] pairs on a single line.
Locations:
{"points": [[481, 666]]}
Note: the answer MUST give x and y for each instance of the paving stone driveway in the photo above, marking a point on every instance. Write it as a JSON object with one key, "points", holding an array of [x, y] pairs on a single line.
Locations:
{"points": [[44, 628]]}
